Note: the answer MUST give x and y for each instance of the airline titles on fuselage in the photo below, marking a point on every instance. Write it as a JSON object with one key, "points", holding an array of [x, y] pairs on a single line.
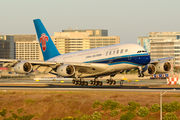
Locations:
{"points": [[109, 52]]}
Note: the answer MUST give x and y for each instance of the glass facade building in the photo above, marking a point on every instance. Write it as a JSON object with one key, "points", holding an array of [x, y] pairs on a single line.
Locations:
{"points": [[145, 42], [6, 47]]}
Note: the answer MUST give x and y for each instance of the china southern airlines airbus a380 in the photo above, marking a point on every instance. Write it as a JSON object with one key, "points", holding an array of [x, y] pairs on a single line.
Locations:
{"points": [[97, 62]]}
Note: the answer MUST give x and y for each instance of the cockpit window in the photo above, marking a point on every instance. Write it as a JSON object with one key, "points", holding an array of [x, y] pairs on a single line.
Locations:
{"points": [[141, 51]]}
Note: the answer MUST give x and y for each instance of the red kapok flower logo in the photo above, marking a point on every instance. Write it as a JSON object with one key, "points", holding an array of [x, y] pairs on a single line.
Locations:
{"points": [[43, 40]]}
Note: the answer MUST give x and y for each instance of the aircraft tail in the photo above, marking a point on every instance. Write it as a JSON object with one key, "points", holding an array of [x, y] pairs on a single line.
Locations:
{"points": [[48, 48]]}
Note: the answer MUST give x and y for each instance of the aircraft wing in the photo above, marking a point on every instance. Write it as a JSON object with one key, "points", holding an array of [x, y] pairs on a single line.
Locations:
{"points": [[155, 61], [49, 66], [12, 62]]}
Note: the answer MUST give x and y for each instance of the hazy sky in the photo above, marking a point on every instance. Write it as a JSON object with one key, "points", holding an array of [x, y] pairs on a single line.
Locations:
{"points": [[128, 19]]}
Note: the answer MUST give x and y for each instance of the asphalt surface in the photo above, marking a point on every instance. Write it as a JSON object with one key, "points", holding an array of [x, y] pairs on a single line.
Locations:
{"points": [[143, 85]]}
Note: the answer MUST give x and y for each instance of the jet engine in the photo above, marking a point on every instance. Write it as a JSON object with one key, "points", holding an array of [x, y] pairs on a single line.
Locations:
{"points": [[23, 67], [149, 69], [163, 67], [66, 70]]}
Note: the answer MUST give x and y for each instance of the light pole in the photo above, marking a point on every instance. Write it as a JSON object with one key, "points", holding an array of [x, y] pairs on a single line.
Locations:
{"points": [[161, 94]]}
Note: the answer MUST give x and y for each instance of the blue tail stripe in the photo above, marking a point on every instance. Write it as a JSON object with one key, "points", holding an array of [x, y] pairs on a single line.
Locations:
{"points": [[48, 48]]}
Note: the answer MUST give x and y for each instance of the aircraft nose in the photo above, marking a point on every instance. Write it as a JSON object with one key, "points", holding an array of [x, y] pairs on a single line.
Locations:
{"points": [[148, 59]]}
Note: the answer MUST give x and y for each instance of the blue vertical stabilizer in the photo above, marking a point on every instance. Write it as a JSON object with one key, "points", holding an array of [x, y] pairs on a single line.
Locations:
{"points": [[48, 48]]}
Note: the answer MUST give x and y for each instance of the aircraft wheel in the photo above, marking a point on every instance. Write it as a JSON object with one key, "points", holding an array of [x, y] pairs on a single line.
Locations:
{"points": [[86, 83], [107, 81], [114, 82], [97, 83], [100, 83], [82, 83], [73, 81], [94, 82], [110, 82], [79, 82], [76, 82], [91, 82]]}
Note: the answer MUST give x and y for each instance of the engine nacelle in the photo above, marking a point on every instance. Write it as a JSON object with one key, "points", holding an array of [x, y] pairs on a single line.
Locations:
{"points": [[163, 67], [66, 70], [23, 67], [149, 69]]}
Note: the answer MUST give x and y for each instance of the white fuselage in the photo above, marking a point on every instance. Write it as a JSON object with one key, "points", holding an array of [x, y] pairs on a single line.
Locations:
{"points": [[118, 57]]}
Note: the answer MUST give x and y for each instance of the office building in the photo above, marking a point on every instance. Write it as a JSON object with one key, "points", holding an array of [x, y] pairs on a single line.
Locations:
{"points": [[27, 48], [145, 42], [165, 44], [6, 47], [94, 32], [24, 38], [76, 41]]}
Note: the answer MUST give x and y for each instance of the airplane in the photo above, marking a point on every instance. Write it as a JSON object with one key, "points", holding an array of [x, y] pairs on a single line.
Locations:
{"points": [[97, 62]]}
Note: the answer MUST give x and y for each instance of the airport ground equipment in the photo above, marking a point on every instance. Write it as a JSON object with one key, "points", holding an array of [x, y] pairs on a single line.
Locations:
{"points": [[159, 76]]}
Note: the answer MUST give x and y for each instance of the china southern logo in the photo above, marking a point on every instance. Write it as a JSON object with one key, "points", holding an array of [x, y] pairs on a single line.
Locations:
{"points": [[43, 40]]}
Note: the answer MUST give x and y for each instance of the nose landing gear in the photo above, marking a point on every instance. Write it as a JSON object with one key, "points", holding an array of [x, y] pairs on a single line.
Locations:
{"points": [[140, 72]]}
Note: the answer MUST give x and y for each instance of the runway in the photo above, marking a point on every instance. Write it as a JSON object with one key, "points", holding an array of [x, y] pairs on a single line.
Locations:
{"points": [[142, 85], [71, 87]]}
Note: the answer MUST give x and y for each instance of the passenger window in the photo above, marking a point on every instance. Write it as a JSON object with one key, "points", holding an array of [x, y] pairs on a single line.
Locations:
{"points": [[117, 52], [114, 52], [106, 53], [110, 53], [126, 50], [121, 50]]}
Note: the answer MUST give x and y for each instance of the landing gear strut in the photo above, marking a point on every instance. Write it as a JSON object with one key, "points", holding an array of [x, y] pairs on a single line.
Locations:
{"points": [[140, 73], [96, 82], [80, 82]]}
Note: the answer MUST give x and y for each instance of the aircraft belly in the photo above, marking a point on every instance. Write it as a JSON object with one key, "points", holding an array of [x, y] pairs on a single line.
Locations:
{"points": [[111, 69], [123, 67]]}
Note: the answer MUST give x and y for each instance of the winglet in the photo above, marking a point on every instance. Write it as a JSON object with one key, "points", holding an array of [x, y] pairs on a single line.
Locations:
{"points": [[48, 48]]}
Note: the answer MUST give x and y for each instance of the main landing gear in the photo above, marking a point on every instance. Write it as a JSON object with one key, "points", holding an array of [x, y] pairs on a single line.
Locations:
{"points": [[111, 81], [96, 82], [80, 82]]}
